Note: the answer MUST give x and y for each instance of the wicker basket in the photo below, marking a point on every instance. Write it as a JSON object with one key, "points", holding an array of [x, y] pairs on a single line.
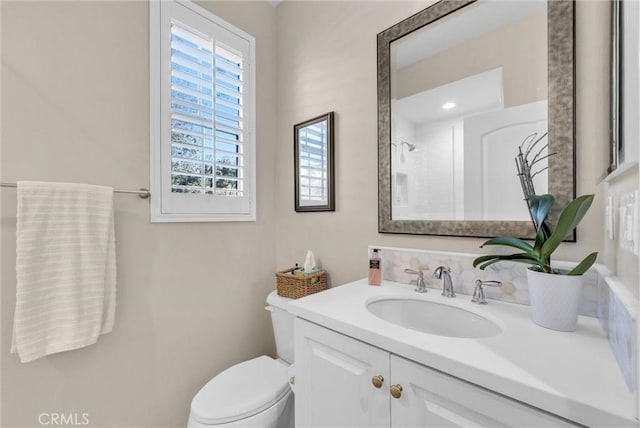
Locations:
{"points": [[296, 286]]}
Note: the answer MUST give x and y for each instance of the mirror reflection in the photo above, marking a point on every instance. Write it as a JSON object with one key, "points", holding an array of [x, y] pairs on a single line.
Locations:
{"points": [[466, 91], [313, 164]]}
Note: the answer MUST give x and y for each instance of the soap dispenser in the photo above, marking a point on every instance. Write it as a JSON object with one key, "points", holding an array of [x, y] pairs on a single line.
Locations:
{"points": [[375, 268]]}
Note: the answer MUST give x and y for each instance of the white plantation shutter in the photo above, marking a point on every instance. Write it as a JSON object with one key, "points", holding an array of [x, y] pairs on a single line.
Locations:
{"points": [[207, 149]]}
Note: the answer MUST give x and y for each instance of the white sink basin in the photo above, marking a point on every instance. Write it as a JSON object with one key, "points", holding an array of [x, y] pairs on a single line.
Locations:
{"points": [[433, 318]]}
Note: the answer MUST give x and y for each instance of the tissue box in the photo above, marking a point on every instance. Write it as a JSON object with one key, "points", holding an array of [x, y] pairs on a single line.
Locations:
{"points": [[295, 286]]}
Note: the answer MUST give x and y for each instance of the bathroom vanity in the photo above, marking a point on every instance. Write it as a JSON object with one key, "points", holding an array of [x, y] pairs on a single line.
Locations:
{"points": [[366, 356]]}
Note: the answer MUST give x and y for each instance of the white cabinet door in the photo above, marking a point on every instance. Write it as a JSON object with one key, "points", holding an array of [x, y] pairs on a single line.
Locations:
{"points": [[334, 385], [433, 399]]}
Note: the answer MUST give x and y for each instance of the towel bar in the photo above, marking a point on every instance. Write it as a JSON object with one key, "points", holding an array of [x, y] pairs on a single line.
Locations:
{"points": [[142, 193]]}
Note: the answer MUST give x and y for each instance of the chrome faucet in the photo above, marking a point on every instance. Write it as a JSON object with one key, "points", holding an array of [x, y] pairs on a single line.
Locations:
{"points": [[447, 286], [421, 287], [478, 293]]}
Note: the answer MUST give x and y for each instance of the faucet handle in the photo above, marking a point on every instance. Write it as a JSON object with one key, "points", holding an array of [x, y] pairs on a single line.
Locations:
{"points": [[420, 286], [437, 272], [478, 292]]}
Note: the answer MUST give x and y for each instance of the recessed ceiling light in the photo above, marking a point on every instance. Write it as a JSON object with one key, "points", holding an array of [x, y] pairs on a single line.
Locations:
{"points": [[448, 106]]}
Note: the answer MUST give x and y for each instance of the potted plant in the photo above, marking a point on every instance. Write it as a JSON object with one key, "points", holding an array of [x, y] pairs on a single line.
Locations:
{"points": [[555, 295]]}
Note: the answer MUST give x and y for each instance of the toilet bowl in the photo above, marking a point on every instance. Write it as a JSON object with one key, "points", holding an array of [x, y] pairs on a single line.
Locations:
{"points": [[253, 393]]}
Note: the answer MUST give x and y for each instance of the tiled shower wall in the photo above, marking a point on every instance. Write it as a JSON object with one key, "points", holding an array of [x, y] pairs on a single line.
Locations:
{"points": [[602, 296]]}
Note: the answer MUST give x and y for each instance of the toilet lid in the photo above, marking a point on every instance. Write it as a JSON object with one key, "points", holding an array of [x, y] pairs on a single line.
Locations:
{"points": [[241, 391]]}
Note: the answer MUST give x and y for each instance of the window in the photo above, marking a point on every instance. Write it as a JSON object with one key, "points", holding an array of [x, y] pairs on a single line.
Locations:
{"points": [[202, 116]]}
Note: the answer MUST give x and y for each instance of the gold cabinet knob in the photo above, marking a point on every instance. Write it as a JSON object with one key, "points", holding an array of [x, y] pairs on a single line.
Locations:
{"points": [[377, 381], [396, 391]]}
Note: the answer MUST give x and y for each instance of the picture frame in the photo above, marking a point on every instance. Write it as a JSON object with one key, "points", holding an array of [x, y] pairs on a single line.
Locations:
{"points": [[314, 177]]}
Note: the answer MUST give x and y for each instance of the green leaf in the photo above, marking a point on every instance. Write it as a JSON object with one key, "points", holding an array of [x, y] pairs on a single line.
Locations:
{"points": [[540, 208], [569, 219], [519, 257], [541, 237], [584, 265], [509, 241], [482, 259]]}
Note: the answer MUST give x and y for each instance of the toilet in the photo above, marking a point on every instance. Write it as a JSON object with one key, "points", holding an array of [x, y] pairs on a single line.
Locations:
{"points": [[253, 393]]}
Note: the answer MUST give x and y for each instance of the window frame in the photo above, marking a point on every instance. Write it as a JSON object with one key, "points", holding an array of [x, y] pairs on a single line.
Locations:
{"points": [[168, 206]]}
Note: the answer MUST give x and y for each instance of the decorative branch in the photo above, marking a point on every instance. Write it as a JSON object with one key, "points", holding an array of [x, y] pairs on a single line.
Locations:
{"points": [[525, 166]]}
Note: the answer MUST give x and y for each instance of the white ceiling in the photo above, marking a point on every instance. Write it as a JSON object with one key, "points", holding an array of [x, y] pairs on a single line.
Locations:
{"points": [[475, 94]]}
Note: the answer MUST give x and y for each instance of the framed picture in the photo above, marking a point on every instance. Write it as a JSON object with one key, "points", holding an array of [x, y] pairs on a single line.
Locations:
{"points": [[313, 148]]}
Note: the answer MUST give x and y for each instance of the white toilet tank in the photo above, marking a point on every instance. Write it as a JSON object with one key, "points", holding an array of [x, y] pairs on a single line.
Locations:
{"points": [[282, 325]]}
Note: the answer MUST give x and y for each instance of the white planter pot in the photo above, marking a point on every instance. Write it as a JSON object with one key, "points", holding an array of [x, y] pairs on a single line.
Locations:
{"points": [[555, 299]]}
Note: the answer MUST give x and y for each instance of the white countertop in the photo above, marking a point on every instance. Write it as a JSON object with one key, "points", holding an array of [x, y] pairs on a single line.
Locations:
{"points": [[573, 375]]}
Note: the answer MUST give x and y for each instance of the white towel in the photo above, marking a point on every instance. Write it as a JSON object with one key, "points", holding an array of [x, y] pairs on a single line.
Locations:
{"points": [[66, 267]]}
